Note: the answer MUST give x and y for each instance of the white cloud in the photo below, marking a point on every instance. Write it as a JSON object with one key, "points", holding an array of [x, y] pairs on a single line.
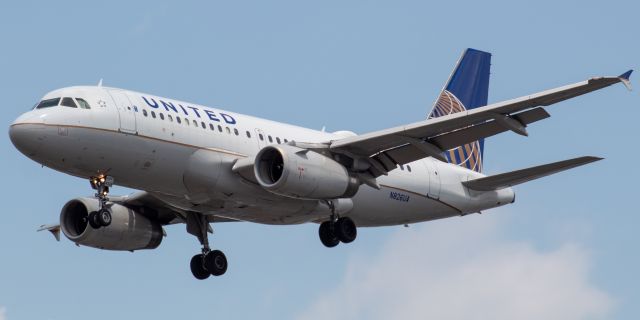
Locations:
{"points": [[463, 269]]}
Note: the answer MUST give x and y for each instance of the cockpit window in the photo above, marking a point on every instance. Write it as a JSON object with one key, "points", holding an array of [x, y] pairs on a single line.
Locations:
{"points": [[48, 103], [68, 102], [83, 103]]}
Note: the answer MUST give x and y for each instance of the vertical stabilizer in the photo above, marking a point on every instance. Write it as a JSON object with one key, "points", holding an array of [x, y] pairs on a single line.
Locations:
{"points": [[467, 88]]}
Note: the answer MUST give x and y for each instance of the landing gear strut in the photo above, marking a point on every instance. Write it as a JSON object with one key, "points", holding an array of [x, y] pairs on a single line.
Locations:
{"points": [[102, 217], [209, 262], [337, 229]]}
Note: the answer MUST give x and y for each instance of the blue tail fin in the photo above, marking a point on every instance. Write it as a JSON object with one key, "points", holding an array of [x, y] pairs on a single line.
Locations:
{"points": [[467, 88]]}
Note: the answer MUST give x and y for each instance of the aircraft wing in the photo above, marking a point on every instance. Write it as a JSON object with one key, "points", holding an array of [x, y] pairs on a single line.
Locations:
{"points": [[386, 149], [153, 208]]}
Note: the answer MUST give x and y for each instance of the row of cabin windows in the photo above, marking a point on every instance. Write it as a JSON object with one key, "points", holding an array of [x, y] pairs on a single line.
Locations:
{"points": [[211, 126], [227, 129], [64, 102]]}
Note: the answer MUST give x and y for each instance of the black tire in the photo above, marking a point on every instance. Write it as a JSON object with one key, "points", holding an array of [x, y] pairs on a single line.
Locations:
{"points": [[197, 267], [216, 262], [93, 220], [346, 230], [327, 236], [104, 217]]}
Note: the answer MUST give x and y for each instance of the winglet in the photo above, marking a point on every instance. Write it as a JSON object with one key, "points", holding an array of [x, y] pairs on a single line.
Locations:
{"points": [[53, 228], [624, 78]]}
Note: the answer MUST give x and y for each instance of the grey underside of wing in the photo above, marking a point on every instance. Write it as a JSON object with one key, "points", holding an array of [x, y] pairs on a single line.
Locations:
{"points": [[513, 178], [390, 146], [409, 152], [153, 208]]}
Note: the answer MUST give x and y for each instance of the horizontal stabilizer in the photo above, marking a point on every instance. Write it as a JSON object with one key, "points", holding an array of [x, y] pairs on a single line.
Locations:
{"points": [[513, 178]]}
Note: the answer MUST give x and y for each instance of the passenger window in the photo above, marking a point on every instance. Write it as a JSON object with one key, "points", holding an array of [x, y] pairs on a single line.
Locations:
{"points": [[248, 134], [186, 121], [235, 131], [83, 103], [212, 127], [178, 120], [270, 139], [409, 168], [48, 103], [195, 123], [261, 137], [204, 126], [68, 102], [220, 128], [153, 114], [402, 167], [170, 118], [278, 140], [161, 115], [285, 141], [228, 130], [144, 112]]}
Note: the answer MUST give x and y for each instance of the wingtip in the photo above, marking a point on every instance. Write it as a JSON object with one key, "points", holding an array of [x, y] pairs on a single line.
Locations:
{"points": [[624, 78], [626, 75], [593, 158]]}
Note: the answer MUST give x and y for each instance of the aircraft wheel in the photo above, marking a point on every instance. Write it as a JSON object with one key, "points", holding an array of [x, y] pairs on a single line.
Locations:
{"points": [[104, 217], [216, 262], [93, 220], [197, 267], [327, 236], [345, 230]]}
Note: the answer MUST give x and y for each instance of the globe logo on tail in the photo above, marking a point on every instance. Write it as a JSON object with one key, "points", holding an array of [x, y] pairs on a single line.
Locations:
{"points": [[468, 155]]}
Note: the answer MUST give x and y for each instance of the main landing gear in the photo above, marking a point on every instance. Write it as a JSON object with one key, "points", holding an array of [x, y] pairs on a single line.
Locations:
{"points": [[102, 217], [337, 229], [209, 262]]}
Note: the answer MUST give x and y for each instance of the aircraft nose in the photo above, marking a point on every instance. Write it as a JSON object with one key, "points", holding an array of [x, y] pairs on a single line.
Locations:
{"points": [[27, 138]]}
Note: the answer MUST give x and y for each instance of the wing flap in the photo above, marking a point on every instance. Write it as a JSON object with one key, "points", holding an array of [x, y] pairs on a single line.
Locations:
{"points": [[410, 152], [486, 129], [513, 178]]}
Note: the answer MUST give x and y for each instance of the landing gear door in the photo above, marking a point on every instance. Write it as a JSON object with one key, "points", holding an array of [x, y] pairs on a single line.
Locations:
{"points": [[126, 111], [434, 178]]}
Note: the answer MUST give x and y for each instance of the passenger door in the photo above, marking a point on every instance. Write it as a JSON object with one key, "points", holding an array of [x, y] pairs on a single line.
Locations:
{"points": [[126, 111]]}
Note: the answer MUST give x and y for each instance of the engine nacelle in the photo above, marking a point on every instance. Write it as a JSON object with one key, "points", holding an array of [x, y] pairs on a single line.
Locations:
{"points": [[128, 231], [300, 173]]}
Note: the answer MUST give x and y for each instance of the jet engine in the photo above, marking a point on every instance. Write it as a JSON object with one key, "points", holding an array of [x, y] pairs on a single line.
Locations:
{"points": [[128, 231], [301, 173]]}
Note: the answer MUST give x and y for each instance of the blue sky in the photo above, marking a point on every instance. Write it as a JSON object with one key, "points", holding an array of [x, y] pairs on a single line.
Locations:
{"points": [[566, 249]]}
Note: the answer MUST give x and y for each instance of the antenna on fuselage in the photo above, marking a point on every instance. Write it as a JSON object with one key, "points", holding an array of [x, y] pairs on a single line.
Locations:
{"points": [[100, 83]]}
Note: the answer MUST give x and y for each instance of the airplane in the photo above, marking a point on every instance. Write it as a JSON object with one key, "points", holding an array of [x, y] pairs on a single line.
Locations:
{"points": [[199, 165]]}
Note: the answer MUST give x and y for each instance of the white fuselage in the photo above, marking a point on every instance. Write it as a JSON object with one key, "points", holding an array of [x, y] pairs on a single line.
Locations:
{"points": [[183, 154]]}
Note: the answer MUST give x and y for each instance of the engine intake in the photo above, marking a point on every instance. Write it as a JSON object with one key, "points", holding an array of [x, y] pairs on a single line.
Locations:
{"points": [[128, 231], [300, 173]]}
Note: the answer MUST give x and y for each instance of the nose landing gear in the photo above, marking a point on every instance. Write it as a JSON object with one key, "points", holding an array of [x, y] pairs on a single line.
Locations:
{"points": [[337, 229], [102, 217]]}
